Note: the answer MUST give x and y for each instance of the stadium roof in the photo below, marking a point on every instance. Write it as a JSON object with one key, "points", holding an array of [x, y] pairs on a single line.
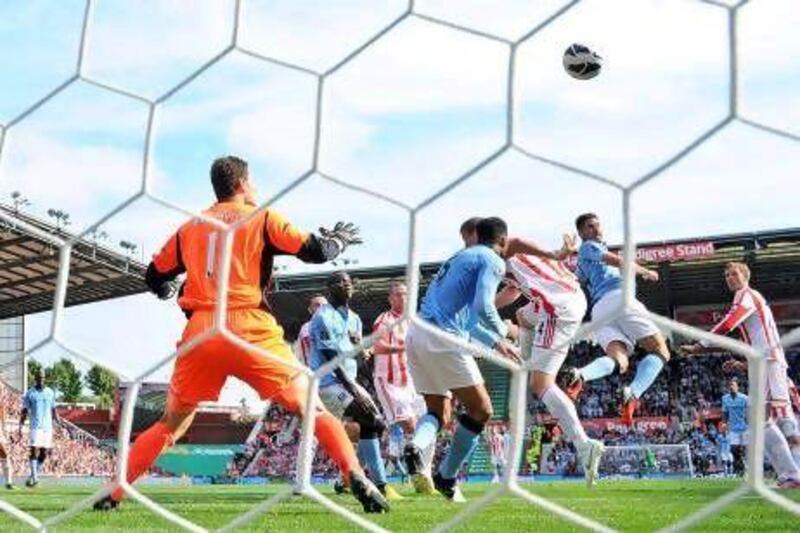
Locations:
{"points": [[773, 256], [29, 269]]}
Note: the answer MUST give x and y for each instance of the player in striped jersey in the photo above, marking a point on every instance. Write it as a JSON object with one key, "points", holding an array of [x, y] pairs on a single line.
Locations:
{"points": [[302, 347], [499, 444], [547, 325], [751, 316], [393, 384]]}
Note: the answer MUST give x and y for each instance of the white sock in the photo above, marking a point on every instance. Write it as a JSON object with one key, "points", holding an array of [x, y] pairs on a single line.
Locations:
{"points": [[777, 451], [563, 409], [427, 458]]}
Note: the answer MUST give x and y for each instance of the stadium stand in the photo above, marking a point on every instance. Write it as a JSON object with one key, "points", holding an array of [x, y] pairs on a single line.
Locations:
{"points": [[684, 405], [29, 267], [211, 425], [74, 453]]}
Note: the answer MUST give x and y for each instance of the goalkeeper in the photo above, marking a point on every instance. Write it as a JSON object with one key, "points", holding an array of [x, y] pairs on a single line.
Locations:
{"points": [[200, 372]]}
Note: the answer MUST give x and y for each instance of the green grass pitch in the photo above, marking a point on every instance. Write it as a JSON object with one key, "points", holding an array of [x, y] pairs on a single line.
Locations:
{"points": [[624, 505]]}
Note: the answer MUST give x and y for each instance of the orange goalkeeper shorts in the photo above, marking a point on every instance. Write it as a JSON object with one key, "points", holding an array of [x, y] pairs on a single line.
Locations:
{"points": [[201, 372]]}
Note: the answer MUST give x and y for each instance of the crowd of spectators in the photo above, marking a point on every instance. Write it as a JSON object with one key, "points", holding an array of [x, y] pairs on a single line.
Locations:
{"points": [[645, 455], [685, 387], [71, 454], [688, 393], [273, 451]]}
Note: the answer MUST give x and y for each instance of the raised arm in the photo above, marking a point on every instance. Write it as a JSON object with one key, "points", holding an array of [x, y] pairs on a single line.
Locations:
{"points": [[283, 238], [615, 260], [740, 311], [737, 314], [519, 245], [507, 296]]}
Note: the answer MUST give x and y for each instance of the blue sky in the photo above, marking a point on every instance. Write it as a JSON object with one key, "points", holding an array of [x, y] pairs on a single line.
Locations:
{"points": [[406, 117]]}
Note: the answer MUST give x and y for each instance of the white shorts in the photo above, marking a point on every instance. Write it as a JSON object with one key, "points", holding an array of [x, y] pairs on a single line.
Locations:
{"points": [[551, 340], [777, 383], [788, 425], [726, 457], [41, 438], [420, 407], [336, 398], [437, 366], [628, 328], [397, 401], [737, 438]]}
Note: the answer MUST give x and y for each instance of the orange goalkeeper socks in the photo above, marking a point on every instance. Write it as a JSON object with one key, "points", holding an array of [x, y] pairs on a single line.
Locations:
{"points": [[147, 447], [334, 440]]}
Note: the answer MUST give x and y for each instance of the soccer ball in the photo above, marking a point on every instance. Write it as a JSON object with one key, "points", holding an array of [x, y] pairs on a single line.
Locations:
{"points": [[581, 62]]}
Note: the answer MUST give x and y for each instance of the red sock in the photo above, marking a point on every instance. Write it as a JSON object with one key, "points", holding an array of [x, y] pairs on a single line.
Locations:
{"points": [[333, 438], [144, 452]]}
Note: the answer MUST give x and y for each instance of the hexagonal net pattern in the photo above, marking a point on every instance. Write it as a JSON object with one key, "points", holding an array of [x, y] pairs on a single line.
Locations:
{"points": [[756, 361]]}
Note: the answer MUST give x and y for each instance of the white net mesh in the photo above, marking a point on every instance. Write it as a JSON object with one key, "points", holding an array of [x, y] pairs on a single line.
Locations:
{"points": [[754, 483]]}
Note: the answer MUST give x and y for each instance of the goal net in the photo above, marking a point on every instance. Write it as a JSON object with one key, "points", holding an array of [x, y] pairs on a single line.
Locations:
{"points": [[420, 204]]}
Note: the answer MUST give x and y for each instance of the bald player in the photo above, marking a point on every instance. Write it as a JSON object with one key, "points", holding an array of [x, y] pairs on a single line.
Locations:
{"points": [[201, 371]]}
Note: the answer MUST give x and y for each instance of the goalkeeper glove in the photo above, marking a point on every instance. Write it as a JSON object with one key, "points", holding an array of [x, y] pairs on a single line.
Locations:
{"points": [[343, 233], [167, 290]]}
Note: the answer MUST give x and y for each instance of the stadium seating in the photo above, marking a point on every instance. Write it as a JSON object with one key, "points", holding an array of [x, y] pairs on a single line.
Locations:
{"points": [[687, 396], [74, 453]]}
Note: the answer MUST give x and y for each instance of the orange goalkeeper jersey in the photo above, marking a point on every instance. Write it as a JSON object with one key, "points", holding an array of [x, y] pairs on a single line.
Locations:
{"points": [[197, 246]]}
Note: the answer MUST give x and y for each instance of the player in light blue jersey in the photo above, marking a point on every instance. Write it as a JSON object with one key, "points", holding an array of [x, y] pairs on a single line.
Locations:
{"points": [[40, 404], [598, 270], [460, 301], [734, 411], [337, 329]]}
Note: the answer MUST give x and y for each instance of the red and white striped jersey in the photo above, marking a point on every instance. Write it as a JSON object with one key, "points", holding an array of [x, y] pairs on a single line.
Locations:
{"points": [[303, 346], [392, 367], [751, 315], [497, 445], [548, 283]]}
